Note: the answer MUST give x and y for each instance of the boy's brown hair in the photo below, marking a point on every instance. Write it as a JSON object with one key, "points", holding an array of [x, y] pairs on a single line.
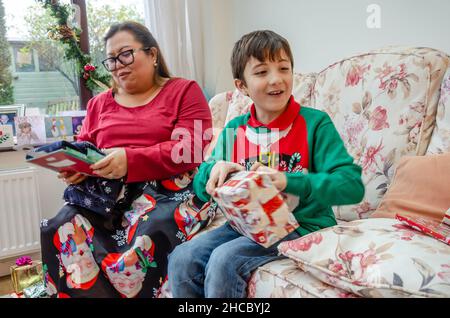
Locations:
{"points": [[261, 45]]}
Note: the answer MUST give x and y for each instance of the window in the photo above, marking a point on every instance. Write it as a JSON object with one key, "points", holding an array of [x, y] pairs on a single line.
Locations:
{"points": [[23, 58], [42, 77]]}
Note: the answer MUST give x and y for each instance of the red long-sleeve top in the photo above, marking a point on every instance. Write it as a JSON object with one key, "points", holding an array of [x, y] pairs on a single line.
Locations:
{"points": [[156, 136]]}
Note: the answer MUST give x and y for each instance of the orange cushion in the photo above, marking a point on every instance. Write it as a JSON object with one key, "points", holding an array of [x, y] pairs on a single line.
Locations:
{"points": [[421, 187]]}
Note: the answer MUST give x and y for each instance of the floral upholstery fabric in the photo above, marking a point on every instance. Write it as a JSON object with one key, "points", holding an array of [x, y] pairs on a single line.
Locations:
{"points": [[219, 108], [440, 140], [383, 104], [375, 258], [283, 279]]}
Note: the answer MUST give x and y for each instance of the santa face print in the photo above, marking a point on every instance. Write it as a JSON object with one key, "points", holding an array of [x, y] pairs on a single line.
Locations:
{"points": [[128, 282], [73, 241], [127, 271], [81, 266]]}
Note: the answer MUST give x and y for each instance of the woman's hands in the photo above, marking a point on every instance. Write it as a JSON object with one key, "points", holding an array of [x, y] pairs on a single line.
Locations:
{"points": [[219, 173], [113, 166], [278, 178]]}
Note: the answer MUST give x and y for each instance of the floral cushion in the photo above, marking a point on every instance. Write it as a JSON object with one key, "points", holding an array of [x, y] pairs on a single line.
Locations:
{"points": [[283, 279], [440, 140], [375, 258], [383, 105]]}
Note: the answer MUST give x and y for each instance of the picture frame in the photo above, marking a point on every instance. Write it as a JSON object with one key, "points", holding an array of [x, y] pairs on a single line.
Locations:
{"points": [[8, 112]]}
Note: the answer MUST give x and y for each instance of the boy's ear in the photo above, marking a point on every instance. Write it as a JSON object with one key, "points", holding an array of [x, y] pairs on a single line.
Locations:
{"points": [[240, 85]]}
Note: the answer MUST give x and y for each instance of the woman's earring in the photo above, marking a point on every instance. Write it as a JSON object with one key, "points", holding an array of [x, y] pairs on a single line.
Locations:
{"points": [[155, 64]]}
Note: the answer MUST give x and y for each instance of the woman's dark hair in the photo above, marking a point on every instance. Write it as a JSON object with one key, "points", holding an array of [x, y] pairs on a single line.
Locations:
{"points": [[262, 45], [143, 36]]}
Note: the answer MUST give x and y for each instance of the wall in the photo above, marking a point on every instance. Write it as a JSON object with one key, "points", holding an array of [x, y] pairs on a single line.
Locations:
{"points": [[218, 43], [322, 32]]}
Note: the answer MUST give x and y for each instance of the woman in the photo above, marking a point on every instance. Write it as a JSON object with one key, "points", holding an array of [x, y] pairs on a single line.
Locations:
{"points": [[84, 253]]}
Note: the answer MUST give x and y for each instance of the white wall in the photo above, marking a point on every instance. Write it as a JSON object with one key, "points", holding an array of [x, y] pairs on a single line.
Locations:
{"points": [[322, 32]]}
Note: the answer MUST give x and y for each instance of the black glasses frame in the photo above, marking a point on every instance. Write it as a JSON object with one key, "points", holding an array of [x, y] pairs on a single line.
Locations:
{"points": [[118, 58]]}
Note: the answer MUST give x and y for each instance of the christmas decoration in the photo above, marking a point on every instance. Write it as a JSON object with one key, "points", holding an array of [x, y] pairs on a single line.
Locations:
{"points": [[69, 36], [25, 273]]}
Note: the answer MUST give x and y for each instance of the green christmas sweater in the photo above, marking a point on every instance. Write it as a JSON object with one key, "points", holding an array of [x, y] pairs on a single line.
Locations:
{"points": [[303, 143]]}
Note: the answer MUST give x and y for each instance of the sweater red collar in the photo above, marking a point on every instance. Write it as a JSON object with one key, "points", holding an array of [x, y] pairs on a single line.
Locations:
{"points": [[282, 122]]}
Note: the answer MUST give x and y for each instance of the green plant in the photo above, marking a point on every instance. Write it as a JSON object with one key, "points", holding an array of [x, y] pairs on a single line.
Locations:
{"points": [[69, 36]]}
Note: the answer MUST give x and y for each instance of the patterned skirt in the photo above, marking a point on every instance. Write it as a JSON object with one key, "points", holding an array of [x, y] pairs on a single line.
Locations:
{"points": [[84, 255]]}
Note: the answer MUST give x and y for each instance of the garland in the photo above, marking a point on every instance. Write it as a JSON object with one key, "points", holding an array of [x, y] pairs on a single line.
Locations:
{"points": [[70, 37]]}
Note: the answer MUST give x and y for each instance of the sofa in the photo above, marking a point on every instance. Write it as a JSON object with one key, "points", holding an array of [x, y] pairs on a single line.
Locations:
{"points": [[388, 105]]}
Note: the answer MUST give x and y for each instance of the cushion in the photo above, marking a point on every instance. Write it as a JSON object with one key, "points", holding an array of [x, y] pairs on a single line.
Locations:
{"points": [[412, 191], [375, 258], [283, 279]]}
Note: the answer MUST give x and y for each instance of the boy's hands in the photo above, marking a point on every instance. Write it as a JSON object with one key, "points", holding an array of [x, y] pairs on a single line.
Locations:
{"points": [[113, 166], [219, 173], [71, 177], [279, 179]]}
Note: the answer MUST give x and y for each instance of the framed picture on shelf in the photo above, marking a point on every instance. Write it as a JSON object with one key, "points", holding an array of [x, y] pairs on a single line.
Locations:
{"points": [[8, 112]]}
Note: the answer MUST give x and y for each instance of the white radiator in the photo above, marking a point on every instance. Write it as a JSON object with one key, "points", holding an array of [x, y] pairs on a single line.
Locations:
{"points": [[20, 212]]}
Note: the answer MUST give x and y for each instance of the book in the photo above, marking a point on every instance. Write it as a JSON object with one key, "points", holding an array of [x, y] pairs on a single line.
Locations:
{"points": [[438, 230], [64, 156]]}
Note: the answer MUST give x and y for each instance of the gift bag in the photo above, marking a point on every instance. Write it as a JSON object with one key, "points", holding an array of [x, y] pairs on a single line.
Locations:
{"points": [[25, 273], [255, 208]]}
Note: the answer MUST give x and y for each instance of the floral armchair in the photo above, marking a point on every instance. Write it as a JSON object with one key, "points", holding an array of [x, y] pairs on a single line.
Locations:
{"points": [[386, 104]]}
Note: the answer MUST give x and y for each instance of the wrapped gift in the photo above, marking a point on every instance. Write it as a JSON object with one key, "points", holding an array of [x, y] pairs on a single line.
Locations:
{"points": [[433, 228], [446, 219], [37, 290], [255, 208], [25, 273]]}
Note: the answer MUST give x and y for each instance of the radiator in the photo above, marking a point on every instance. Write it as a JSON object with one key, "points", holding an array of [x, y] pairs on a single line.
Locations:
{"points": [[20, 212]]}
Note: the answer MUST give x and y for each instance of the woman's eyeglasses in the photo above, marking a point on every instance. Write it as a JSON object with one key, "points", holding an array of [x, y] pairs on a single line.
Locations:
{"points": [[125, 58]]}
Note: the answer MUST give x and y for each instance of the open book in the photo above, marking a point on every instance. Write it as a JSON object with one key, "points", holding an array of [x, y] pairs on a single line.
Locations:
{"points": [[438, 230], [65, 156]]}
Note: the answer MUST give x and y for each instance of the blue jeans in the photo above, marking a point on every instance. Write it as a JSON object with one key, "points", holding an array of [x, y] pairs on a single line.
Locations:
{"points": [[218, 264]]}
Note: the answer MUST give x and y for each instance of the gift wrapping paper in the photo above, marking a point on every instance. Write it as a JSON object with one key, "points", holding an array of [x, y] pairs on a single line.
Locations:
{"points": [[255, 208], [26, 275]]}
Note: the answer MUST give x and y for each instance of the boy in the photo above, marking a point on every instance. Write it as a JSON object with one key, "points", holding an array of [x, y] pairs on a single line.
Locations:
{"points": [[306, 155]]}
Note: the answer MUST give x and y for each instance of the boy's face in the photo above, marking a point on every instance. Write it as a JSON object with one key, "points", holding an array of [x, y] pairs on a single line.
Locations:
{"points": [[268, 83]]}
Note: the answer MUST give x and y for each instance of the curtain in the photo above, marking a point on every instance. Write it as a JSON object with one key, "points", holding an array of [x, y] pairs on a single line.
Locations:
{"points": [[177, 27]]}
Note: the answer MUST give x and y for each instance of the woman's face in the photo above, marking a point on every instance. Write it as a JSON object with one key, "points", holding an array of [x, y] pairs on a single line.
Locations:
{"points": [[138, 76]]}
